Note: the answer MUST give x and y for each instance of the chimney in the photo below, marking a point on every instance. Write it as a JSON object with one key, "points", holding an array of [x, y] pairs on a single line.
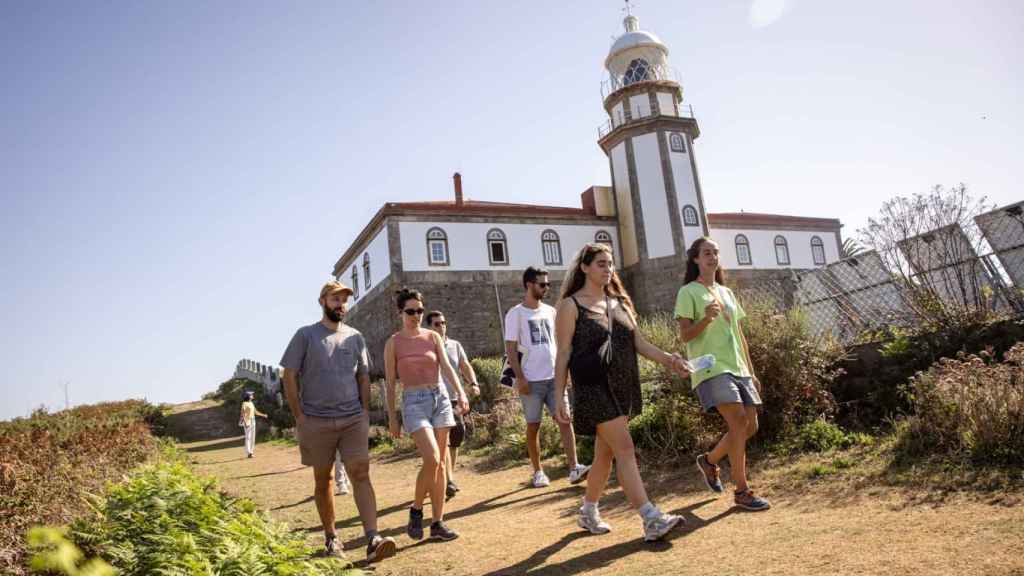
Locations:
{"points": [[458, 188]]}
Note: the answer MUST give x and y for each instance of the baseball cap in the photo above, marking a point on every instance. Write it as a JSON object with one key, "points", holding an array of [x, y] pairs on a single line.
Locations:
{"points": [[334, 286]]}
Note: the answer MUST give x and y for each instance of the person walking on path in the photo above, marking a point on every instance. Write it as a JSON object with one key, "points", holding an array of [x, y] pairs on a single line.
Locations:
{"points": [[417, 357], [598, 343], [709, 316], [530, 330], [247, 420], [436, 321], [331, 410]]}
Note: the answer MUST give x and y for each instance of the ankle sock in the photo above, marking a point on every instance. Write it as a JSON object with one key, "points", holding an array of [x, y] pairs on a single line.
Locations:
{"points": [[589, 507], [648, 510]]}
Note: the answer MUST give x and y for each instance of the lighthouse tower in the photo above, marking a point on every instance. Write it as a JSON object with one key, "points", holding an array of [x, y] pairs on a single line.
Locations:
{"points": [[648, 138]]}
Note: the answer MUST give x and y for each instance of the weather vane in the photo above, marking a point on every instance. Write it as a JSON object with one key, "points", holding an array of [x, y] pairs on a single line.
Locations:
{"points": [[628, 9]]}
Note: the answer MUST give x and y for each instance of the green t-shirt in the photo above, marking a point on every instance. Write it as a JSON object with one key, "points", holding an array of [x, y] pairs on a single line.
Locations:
{"points": [[721, 337]]}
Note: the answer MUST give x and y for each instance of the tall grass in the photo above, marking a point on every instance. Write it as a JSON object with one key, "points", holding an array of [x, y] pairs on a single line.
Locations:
{"points": [[47, 461]]}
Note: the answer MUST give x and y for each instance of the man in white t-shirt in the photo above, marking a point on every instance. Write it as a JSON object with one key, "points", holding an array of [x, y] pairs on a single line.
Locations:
{"points": [[530, 330]]}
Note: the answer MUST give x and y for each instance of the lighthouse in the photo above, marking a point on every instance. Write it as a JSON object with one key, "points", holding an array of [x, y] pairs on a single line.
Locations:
{"points": [[648, 138]]}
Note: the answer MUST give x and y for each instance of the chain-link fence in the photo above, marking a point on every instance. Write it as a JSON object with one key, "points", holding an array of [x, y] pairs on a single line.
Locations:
{"points": [[928, 277]]}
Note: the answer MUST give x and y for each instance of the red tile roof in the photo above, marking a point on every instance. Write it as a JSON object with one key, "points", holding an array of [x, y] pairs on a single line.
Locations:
{"points": [[756, 219]]}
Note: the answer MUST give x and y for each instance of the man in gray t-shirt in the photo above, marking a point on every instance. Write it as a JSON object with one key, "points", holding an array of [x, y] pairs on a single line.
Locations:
{"points": [[327, 382]]}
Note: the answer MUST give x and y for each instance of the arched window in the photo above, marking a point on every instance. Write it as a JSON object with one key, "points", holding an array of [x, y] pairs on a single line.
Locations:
{"points": [[355, 282], [437, 247], [743, 250], [781, 251], [638, 71], [818, 251], [366, 271], [603, 237], [676, 142], [690, 216], [552, 248], [497, 246]]}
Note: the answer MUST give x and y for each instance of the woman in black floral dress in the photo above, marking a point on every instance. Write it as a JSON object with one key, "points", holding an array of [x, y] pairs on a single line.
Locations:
{"points": [[606, 382]]}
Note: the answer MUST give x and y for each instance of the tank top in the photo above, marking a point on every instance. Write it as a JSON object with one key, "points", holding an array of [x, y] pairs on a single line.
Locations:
{"points": [[417, 360]]}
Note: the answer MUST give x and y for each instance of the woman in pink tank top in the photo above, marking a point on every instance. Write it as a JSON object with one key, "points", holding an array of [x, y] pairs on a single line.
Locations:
{"points": [[416, 356]]}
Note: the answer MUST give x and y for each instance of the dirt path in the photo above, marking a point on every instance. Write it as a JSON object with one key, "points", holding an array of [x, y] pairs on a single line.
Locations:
{"points": [[509, 528]]}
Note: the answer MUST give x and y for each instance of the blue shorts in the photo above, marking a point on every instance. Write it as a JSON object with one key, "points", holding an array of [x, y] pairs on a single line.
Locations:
{"points": [[727, 388], [426, 408], [541, 393]]}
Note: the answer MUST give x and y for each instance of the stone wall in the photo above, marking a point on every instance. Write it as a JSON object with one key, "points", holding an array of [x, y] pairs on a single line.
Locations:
{"points": [[467, 300]]}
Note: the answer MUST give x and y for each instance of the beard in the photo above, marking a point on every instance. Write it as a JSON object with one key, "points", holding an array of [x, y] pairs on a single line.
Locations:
{"points": [[538, 293], [334, 315]]}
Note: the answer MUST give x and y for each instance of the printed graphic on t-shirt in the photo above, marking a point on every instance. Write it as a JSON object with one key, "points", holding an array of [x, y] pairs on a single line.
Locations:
{"points": [[540, 332]]}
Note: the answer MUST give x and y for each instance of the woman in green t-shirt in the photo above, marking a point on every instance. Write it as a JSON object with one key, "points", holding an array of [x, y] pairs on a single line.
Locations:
{"points": [[709, 323]]}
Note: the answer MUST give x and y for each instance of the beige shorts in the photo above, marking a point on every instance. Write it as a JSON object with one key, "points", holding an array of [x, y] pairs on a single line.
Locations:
{"points": [[320, 438]]}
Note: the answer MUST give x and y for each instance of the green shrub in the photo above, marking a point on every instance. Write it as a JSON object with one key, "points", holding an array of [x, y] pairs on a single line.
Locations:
{"points": [[822, 436], [671, 427], [163, 519], [796, 370], [53, 553], [971, 408], [488, 374]]}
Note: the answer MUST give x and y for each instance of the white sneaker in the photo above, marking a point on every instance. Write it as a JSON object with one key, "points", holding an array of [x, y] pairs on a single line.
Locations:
{"points": [[592, 522], [540, 479], [655, 528], [578, 474], [342, 488]]}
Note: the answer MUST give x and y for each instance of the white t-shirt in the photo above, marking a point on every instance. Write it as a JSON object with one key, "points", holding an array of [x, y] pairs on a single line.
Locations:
{"points": [[534, 331]]}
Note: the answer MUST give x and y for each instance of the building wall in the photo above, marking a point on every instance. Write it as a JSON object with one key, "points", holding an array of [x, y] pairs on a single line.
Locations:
{"points": [[474, 304], [762, 247], [380, 266], [618, 116], [624, 203], [686, 190], [651, 182], [467, 244]]}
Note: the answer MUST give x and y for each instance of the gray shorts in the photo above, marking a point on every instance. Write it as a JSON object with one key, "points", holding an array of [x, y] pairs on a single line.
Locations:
{"points": [[542, 393], [426, 408], [727, 388]]}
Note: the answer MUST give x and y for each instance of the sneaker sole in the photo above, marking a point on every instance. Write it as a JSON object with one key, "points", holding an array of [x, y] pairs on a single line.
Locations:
{"points": [[705, 477], [672, 527], [581, 478], [385, 549], [597, 532], [443, 538], [754, 508]]}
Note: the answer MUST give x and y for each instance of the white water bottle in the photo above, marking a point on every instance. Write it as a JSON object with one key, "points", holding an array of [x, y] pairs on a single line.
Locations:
{"points": [[704, 362]]}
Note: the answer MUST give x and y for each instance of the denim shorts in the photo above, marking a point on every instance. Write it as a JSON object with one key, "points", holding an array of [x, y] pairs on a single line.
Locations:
{"points": [[542, 393], [727, 388], [426, 408]]}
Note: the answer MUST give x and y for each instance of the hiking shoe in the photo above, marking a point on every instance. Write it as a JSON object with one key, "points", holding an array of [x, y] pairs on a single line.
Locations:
{"points": [[656, 527], [454, 485], [332, 548], [342, 488], [379, 548], [578, 474], [748, 501], [450, 490], [438, 531], [540, 479], [710, 474], [415, 527], [592, 522]]}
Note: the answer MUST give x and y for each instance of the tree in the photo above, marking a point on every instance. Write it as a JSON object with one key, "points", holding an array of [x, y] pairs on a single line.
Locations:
{"points": [[930, 245]]}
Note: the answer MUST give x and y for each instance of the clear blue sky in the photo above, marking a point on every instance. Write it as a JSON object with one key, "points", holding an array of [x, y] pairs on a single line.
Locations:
{"points": [[178, 178]]}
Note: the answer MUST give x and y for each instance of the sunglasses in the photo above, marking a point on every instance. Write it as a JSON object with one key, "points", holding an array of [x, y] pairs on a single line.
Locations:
{"points": [[413, 311], [440, 323], [543, 284]]}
